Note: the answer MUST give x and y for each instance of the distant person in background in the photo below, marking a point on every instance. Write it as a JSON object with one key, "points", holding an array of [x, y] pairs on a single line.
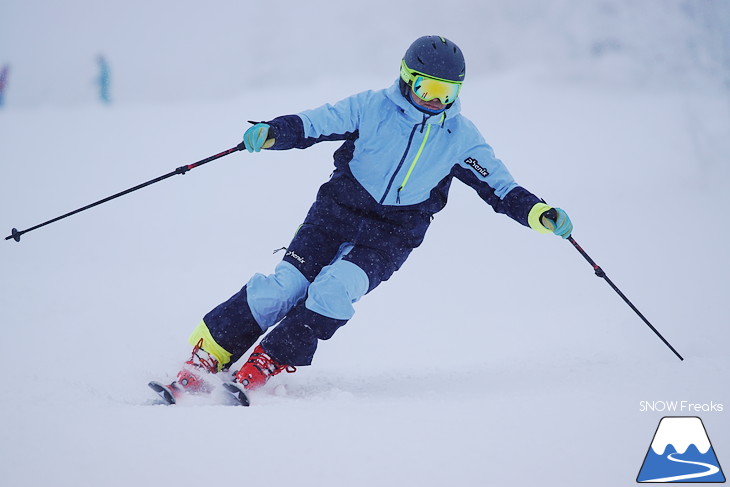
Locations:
{"points": [[3, 83], [402, 148], [103, 80]]}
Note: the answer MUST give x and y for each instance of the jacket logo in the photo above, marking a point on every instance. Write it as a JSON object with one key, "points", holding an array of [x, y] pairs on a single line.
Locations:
{"points": [[477, 167], [295, 256]]}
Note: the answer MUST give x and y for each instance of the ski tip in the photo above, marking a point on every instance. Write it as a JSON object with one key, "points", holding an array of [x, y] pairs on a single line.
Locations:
{"points": [[237, 392], [163, 391]]}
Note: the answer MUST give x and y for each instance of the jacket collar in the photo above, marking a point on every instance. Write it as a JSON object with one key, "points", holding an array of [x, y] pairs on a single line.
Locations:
{"points": [[414, 114]]}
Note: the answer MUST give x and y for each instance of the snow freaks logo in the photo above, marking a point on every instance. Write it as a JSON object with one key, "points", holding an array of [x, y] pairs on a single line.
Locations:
{"points": [[680, 452]]}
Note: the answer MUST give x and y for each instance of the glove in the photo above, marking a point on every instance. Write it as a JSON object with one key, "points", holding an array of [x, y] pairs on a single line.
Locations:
{"points": [[546, 219], [557, 221], [255, 137]]}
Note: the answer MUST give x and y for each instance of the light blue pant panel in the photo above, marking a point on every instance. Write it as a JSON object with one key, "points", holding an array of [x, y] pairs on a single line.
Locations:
{"points": [[271, 297], [335, 289]]}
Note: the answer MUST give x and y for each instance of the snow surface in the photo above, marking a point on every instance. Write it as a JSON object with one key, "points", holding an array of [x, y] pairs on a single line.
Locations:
{"points": [[494, 357]]}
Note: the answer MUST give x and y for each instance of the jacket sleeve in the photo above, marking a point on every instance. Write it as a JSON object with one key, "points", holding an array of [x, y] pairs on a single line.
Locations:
{"points": [[328, 122], [481, 170]]}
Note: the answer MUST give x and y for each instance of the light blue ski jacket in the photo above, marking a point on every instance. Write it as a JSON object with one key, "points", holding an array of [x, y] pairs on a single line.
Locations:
{"points": [[403, 157]]}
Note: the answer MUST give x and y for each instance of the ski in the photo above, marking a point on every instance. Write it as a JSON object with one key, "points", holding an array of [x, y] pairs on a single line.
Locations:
{"points": [[237, 392], [165, 391], [169, 393]]}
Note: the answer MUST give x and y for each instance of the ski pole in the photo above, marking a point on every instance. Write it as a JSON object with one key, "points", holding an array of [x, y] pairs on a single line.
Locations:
{"points": [[15, 234], [600, 273]]}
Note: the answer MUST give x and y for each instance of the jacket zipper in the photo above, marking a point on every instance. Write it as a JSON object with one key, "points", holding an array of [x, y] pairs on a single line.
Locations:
{"points": [[400, 164], [413, 164]]}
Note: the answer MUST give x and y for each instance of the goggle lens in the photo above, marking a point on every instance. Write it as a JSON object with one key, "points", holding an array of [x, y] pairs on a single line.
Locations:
{"points": [[428, 88]]}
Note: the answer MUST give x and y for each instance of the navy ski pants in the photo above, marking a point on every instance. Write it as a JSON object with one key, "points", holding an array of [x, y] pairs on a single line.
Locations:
{"points": [[347, 245]]}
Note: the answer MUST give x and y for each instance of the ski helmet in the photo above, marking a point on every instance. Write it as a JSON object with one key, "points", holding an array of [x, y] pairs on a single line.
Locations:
{"points": [[433, 67], [437, 57]]}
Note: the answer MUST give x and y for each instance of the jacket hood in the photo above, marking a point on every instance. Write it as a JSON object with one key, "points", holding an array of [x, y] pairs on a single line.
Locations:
{"points": [[417, 116]]}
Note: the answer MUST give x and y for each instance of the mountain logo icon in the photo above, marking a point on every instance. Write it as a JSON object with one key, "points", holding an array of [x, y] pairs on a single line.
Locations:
{"points": [[680, 452]]}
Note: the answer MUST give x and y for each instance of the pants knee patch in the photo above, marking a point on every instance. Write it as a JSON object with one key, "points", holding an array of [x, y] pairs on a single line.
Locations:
{"points": [[271, 297], [335, 290]]}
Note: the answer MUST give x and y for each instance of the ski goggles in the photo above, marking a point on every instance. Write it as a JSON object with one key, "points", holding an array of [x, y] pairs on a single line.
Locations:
{"points": [[428, 88]]}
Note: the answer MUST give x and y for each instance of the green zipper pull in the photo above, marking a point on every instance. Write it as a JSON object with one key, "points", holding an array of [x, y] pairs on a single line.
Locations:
{"points": [[413, 164]]}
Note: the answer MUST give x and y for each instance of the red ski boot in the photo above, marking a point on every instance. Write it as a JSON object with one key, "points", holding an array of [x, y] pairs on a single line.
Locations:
{"points": [[191, 378], [259, 368]]}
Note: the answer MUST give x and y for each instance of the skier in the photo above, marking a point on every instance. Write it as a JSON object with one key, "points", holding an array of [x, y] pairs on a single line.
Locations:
{"points": [[3, 82], [402, 147], [104, 80]]}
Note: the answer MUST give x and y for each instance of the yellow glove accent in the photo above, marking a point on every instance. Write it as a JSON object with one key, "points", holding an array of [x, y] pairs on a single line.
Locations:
{"points": [[210, 345], [267, 144], [533, 218]]}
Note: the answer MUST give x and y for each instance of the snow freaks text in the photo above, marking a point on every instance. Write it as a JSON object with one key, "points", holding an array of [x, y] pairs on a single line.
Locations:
{"points": [[680, 407]]}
